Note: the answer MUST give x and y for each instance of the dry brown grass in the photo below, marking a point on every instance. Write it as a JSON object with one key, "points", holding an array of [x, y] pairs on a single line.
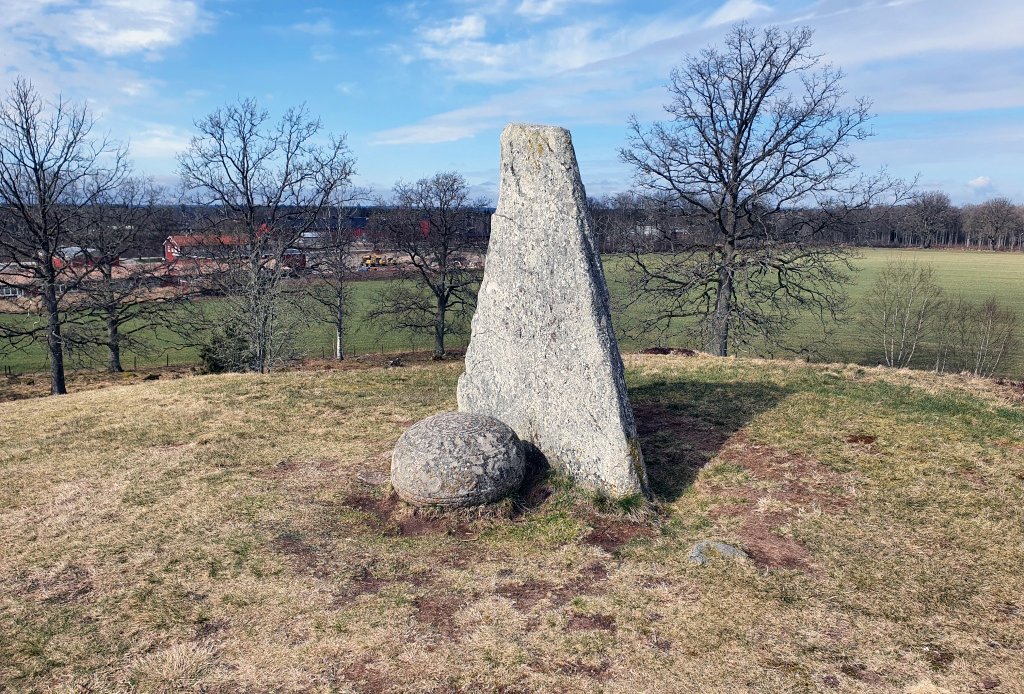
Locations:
{"points": [[221, 534]]}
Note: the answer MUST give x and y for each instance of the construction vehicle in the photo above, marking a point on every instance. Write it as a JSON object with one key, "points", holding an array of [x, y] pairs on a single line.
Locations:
{"points": [[371, 261]]}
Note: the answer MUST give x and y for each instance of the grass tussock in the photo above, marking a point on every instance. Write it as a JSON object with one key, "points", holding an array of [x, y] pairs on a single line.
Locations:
{"points": [[236, 534]]}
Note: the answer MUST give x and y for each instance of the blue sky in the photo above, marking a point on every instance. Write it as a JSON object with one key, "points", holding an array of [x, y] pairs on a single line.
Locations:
{"points": [[421, 87]]}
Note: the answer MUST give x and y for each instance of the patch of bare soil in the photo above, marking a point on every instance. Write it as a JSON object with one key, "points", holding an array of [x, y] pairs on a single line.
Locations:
{"points": [[769, 549], [580, 622], [37, 384], [392, 517], [218, 688], [527, 594], [439, 612], [302, 556], [71, 585], [795, 485], [675, 445], [210, 627], [366, 679], [575, 668], [864, 439], [374, 361], [859, 671], [673, 351], [610, 535], [653, 417]]}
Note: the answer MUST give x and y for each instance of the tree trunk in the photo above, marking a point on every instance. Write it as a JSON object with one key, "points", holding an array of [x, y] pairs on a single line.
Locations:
{"points": [[719, 344], [339, 319], [55, 343], [439, 328], [113, 342]]}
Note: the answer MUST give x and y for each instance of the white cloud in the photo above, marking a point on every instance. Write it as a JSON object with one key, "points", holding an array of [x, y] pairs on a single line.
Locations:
{"points": [[55, 44], [552, 51], [159, 141], [864, 32], [118, 27], [570, 101], [539, 9], [108, 27], [322, 52], [465, 28], [320, 28], [981, 188], [735, 11]]}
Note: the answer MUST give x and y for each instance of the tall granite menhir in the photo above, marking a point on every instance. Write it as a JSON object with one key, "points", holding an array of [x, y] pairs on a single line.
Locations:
{"points": [[543, 357]]}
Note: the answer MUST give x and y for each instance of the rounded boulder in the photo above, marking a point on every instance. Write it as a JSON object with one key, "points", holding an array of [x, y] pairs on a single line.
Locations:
{"points": [[457, 459]]}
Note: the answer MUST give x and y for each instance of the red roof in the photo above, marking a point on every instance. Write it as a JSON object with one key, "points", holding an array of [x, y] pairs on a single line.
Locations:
{"points": [[183, 240]]}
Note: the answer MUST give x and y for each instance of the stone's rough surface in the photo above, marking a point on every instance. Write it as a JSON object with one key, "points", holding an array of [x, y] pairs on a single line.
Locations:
{"points": [[457, 459], [543, 356], [703, 552]]}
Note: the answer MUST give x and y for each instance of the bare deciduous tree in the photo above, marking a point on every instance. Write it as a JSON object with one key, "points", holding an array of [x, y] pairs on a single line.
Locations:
{"points": [[930, 217], [898, 311], [121, 299], [432, 225], [972, 338], [330, 265], [258, 187], [997, 223], [756, 159], [52, 170]]}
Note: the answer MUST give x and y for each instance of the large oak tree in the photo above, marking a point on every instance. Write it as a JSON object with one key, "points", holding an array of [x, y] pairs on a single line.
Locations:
{"points": [[755, 159]]}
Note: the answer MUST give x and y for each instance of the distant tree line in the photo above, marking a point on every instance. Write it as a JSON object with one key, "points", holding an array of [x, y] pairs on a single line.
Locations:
{"points": [[924, 220]]}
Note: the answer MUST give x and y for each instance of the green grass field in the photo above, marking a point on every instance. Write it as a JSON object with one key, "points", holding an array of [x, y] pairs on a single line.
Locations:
{"points": [[976, 274], [315, 340]]}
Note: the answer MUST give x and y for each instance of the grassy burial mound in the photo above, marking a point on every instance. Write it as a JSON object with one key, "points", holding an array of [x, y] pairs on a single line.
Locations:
{"points": [[236, 534]]}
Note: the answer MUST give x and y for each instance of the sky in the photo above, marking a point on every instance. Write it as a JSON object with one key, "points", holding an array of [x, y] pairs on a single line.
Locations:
{"points": [[427, 86]]}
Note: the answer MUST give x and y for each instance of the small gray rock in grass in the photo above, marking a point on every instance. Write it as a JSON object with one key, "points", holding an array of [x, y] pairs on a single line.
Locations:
{"points": [[457, 459], [543, 356], [704, 552]]}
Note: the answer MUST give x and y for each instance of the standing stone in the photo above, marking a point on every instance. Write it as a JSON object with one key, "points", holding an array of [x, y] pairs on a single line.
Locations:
{"points": [[543, 357]]}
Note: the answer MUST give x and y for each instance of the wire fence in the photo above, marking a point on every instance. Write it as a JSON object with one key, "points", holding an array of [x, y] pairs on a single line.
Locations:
{"points": [[383, 344], [12, 365]]}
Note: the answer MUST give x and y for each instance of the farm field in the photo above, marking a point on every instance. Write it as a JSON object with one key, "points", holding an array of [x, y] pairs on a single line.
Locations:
{"points": [[237, 533], [975, 274]]}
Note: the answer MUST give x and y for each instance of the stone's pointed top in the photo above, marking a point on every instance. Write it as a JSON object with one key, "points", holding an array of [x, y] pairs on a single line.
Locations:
{"points": [[538, 163], [513, 129], [534, 141]]}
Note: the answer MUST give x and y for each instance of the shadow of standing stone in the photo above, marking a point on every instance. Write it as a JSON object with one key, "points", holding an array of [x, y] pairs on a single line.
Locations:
{"points": [[543, 356]]}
